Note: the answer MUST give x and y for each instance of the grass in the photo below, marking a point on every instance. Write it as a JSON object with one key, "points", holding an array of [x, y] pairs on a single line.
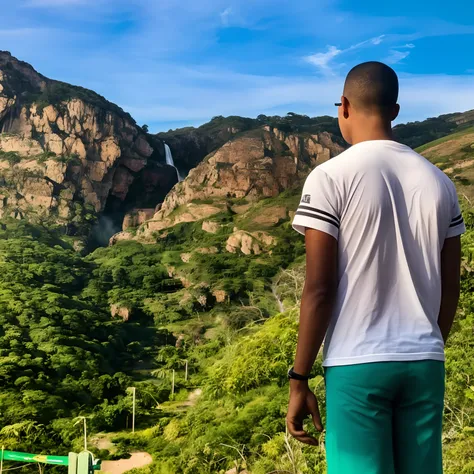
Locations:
{"points": [[453, 136]]}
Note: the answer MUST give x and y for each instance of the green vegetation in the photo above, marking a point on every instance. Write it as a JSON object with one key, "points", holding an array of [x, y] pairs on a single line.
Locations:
{"points": [[57, 92], [77, 331], [64, 355], [413, 134], [444, 139], [61, 354], [416, 134], [11, 157], [291, 123]]}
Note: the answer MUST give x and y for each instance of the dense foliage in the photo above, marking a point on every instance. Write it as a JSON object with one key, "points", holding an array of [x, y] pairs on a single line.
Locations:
{"points": [[77, 331], [61, 354]]}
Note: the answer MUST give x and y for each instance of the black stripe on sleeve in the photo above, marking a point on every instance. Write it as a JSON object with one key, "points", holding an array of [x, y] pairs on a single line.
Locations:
{"points": [[458, 222], [457, 218], [313, 209], [315, 216]]}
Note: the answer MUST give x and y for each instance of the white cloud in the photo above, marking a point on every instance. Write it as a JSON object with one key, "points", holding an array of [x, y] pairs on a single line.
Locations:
{"points": [[377, 40], [322, 60], [396, 56], [225, 16], [409, 45]]}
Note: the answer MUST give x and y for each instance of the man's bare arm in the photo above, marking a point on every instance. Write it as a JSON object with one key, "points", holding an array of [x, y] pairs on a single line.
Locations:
{"points": [[316, 309], [450, 284], [318, 297]]}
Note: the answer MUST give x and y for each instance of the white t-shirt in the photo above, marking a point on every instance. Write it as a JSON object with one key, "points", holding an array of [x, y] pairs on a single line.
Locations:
{"points": [[391, 211]]}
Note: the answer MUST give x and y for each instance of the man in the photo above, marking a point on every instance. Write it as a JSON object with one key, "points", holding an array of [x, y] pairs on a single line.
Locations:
{"points": [[382, 228]]}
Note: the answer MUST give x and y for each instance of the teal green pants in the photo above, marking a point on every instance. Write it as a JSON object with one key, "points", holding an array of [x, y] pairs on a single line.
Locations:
{"points": [[385, 418]]}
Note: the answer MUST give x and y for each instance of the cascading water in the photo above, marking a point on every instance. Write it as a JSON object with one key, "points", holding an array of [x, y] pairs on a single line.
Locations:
{"points": [[170, 161]]}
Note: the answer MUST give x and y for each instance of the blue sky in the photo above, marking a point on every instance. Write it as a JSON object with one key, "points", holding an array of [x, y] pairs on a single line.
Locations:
{"points": [[172, 63]]}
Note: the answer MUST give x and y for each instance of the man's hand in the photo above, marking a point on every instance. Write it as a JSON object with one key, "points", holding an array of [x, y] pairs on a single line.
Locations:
{"points": [[303, 402]]}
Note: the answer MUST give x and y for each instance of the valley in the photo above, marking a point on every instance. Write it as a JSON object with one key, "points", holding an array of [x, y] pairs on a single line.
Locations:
{"points": [[117, 273]]}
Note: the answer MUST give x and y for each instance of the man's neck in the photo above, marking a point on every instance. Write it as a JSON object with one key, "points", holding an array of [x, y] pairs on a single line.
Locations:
{"points": [[371, 129]]}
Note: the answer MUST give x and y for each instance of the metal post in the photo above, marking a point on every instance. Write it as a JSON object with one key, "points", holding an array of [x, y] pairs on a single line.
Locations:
{"points": [[133, 411], [85, 434], [186, 373], [1, 460], [172, 385]]}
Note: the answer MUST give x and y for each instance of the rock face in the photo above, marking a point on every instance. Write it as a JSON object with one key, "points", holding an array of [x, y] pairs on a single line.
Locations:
{"points": [[61, 145], [137, 217], [191, 145], [249, 242], [67, 154], [253, 165]]}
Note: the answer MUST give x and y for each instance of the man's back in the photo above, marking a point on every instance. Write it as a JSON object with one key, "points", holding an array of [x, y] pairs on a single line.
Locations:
{"points": [[383, 254], [395, 210]]}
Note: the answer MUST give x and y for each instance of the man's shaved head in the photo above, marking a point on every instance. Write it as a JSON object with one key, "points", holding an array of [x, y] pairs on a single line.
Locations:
{"points": [[372, 88]]}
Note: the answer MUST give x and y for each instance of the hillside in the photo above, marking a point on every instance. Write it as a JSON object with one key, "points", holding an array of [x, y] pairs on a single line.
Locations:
{"points": [[236, 320], [191, 145], [454, 154], [68, 155], [250, 166], [415, 134], [202, 287]]}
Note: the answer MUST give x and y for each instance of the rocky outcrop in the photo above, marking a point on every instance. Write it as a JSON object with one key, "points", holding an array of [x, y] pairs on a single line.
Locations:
{"points": [[67, 154], [63, 144], [191, 145], [249, 242], [256, 164], [137, 217], [117, 311], [192, 212], [210, 227]]}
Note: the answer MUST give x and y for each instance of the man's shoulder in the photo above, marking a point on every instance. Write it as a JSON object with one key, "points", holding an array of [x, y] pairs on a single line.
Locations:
{"points": [[345, 162]]}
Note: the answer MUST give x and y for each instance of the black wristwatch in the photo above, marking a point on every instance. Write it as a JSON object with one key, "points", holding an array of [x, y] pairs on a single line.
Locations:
{"points": [[293, 375]]}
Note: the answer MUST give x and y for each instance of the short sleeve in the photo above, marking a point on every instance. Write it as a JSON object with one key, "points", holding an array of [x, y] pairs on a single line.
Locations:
{"points": [[318, 208], [456, 226]]}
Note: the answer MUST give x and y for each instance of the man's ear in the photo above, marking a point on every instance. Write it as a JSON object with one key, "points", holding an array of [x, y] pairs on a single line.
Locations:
{"points": [[345, 107], [395, 112]]}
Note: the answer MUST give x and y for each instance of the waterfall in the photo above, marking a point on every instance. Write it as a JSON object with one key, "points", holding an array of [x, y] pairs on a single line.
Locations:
{"points": [[170, 161]]}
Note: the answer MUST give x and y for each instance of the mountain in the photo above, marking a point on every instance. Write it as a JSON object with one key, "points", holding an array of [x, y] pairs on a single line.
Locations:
{"points": [[191, 145], [252, 165], [70, 157], [415, 134], [67, 153], [196, 304]]}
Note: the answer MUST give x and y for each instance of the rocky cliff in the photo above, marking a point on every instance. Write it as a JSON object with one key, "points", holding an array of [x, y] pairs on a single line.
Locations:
{"points": [[253, 165], [64, 147], [68, 156]]}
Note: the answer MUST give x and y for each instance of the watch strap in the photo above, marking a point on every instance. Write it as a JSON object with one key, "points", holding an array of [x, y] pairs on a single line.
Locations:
{"points": [[294, 375]]}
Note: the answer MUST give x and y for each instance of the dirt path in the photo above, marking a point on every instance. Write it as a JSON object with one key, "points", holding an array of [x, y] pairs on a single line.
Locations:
{"points": [[462, 164], [192, 398], [123, 465]]}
